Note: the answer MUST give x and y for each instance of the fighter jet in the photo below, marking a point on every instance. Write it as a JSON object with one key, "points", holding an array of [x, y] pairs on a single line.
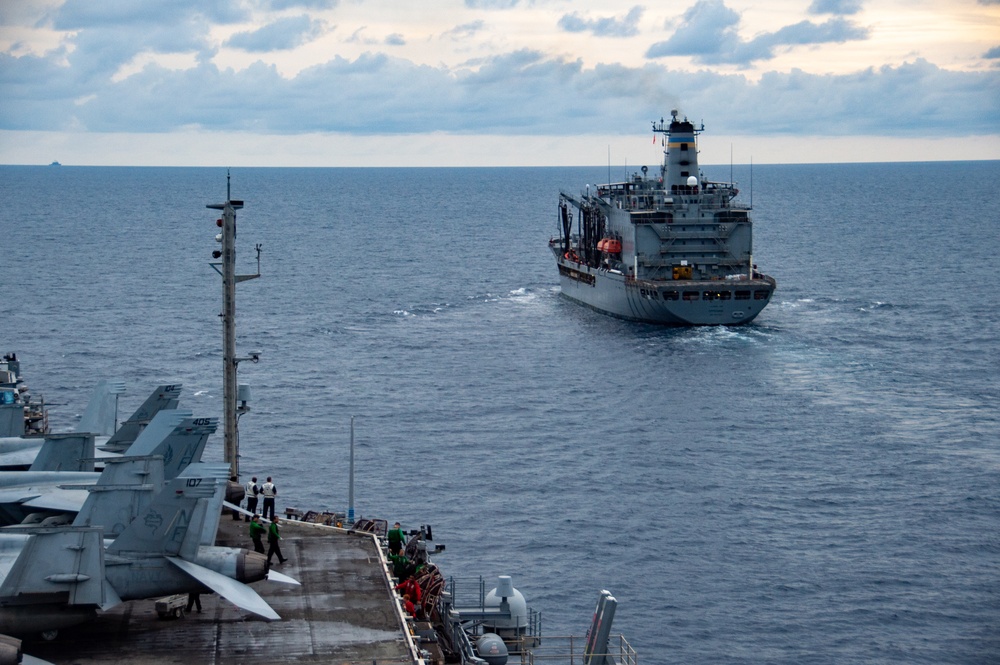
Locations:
{"points": [[170, 545], [55, 577], [98, 420], [175, 436]]}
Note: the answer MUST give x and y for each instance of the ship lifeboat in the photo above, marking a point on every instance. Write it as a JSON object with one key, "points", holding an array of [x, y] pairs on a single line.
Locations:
{"points": [[610, 245]]}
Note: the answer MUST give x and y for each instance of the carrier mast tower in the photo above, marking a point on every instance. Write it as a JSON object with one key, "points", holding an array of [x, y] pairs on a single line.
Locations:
{"points": [[231, 411]]}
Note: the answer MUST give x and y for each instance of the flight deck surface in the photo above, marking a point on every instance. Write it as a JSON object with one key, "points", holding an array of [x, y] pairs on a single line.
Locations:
{"points": [[344, 612]]}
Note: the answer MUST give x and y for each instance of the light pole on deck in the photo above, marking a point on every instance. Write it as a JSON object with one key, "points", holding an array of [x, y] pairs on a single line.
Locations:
{"points": [[350, 483], [229, 360]]}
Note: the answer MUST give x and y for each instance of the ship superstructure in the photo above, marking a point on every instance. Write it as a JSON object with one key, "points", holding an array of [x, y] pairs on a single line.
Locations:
{"points": [[673, 248]]}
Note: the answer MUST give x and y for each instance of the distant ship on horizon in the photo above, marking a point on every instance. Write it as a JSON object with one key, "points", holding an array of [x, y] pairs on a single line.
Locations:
{"points": [[55, 164], [673, 249]]}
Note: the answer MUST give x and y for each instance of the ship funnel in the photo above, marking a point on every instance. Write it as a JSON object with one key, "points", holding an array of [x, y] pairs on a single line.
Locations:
{"points": [[680, 166]]}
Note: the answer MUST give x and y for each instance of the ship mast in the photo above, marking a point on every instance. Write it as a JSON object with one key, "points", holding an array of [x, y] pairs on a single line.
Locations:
{"points": [[230, 362]]}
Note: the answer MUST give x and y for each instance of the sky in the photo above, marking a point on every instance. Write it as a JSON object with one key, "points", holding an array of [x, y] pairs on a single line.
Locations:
{"points": [[494, 82]]}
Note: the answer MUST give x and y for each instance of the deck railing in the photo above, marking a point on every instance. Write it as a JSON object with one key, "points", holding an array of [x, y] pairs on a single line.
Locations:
{"points": [[571, 650]]}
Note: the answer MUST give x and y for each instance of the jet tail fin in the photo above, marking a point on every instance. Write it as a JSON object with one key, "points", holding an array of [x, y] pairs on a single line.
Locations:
{"points": [[72, 451], [99, 416], [59, 564], [163, 527], [162, 424], [220, 471], [163, 398], [123, 492], [182, 445]]}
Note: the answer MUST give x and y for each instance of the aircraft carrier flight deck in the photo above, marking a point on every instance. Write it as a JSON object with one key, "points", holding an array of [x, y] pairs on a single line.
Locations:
{"points": [[344, 612]]}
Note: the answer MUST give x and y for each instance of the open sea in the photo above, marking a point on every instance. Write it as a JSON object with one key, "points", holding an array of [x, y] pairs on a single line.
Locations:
{"points": [[821, 486]]}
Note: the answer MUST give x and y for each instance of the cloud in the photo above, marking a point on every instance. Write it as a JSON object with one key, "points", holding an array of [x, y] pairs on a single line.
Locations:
{"points": [[708, 33], [358, 37], [707, 27], [518, 92], [838, 7], [491, 4], [465, 30], [81, 14], [94, 80], [279, 5], [835, 30], [627, 26], [281, 35], [104, 37]]}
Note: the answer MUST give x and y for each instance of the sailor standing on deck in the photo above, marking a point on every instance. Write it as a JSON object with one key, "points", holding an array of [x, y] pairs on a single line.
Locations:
{"points": [[396, 538], [252, 490], [268, 491], [400, 565], [272, 541], [256, 531]]}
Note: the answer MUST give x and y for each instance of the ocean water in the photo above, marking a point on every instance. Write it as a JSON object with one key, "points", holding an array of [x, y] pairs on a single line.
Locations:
{"points": [[820, 486]]}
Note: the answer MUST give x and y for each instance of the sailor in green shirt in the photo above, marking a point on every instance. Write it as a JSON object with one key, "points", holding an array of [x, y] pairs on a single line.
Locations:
{"points": [[400, 565], [272, 541], [256, 533], [396, 538]]}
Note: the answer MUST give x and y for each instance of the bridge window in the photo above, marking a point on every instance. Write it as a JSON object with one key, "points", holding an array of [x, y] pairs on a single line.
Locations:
{"points": [[760, 295], [691, 295], [670, 295], [743, 295]]}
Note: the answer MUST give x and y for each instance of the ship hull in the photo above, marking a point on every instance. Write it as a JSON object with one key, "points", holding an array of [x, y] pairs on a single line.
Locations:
{"points": [[665, 302]]}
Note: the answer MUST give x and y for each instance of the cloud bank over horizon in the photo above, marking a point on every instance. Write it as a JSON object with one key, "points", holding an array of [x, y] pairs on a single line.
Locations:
{"points": [[495, 68]]}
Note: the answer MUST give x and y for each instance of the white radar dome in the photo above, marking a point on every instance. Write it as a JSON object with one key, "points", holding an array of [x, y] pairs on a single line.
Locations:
{"points": [[692, 181], [518, 605]]}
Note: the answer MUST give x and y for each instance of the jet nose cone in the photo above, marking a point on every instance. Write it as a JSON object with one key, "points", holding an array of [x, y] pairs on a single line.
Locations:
{"points": [[252, 566]]}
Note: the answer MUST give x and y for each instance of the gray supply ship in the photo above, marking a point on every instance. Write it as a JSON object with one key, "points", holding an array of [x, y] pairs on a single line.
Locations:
{"points": [[674, 249]]}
